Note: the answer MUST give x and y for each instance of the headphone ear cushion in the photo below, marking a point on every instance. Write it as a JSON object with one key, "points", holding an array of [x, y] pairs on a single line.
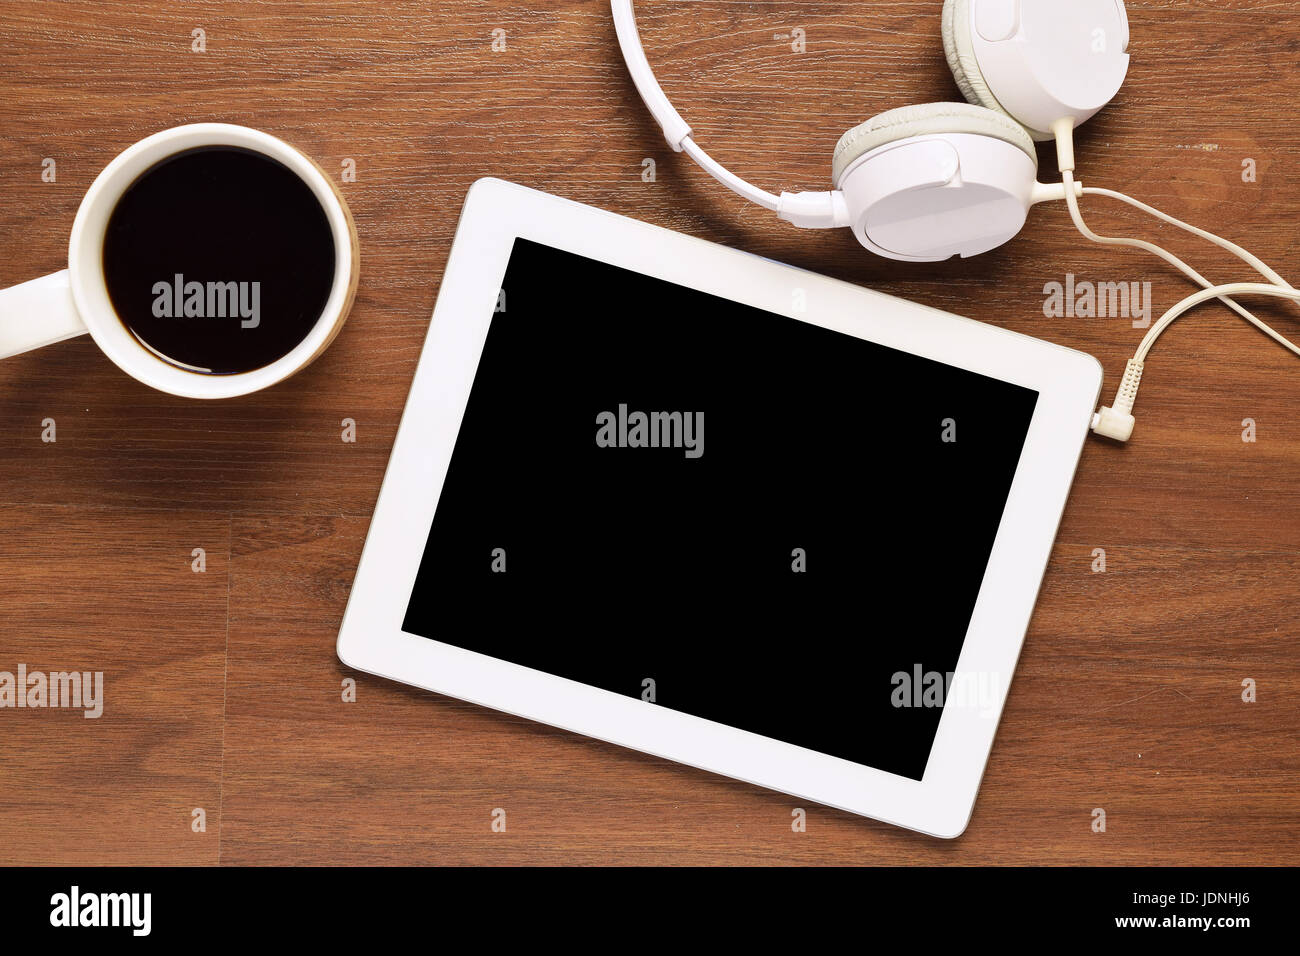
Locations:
{"points": [[927, 119], [959, 50]]}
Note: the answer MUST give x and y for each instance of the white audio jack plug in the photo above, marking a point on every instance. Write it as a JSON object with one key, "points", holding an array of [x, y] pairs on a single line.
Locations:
{"points": [[1117, 421]]}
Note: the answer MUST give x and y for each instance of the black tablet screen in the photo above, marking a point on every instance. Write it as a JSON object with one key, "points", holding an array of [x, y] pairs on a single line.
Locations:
{"points": [[718, 509]]}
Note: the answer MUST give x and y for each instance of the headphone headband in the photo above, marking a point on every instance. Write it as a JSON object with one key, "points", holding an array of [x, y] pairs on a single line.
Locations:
{"points": [[809, 210], [652, 94]]}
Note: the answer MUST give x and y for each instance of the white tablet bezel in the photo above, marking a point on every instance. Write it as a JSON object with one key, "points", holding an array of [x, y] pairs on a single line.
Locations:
{"points": [[495, 213]]}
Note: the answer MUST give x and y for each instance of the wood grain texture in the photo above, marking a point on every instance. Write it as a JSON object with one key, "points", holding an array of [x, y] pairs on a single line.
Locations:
{"points": [[223, 688]]}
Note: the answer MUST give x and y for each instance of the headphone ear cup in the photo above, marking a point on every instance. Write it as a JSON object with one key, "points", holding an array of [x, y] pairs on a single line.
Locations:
{"points": [[1037, 61], [929, 182]]}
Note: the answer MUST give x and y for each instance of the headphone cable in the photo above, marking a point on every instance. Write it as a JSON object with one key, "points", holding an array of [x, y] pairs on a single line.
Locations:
{"points": [[1117, 421]]}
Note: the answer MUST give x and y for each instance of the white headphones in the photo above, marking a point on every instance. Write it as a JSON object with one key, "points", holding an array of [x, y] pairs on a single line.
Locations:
{"points": [[925, 183]]}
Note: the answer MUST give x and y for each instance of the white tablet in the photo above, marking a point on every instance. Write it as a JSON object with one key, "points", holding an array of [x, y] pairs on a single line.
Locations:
{"points": [[718, 509]]}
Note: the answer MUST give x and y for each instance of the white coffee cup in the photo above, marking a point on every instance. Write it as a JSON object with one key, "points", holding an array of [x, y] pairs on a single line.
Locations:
{"points": [[76, 300]]}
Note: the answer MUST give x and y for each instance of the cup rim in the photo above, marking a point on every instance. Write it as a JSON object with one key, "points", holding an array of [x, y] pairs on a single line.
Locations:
{"points": [[90, 291]]}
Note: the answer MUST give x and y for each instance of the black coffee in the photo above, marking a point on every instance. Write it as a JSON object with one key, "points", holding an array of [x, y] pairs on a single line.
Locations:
{"points": [[219, 259]]}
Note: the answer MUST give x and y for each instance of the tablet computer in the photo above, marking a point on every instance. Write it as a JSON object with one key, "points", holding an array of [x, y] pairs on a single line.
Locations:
{"points": [[718, 509]]}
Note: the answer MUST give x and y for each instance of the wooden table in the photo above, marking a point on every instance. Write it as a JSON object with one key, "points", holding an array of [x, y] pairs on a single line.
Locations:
{"points": [[222, 688]]}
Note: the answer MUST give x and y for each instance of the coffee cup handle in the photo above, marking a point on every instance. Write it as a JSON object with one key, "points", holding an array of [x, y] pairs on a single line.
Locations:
{"points": [[36, 313]]}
